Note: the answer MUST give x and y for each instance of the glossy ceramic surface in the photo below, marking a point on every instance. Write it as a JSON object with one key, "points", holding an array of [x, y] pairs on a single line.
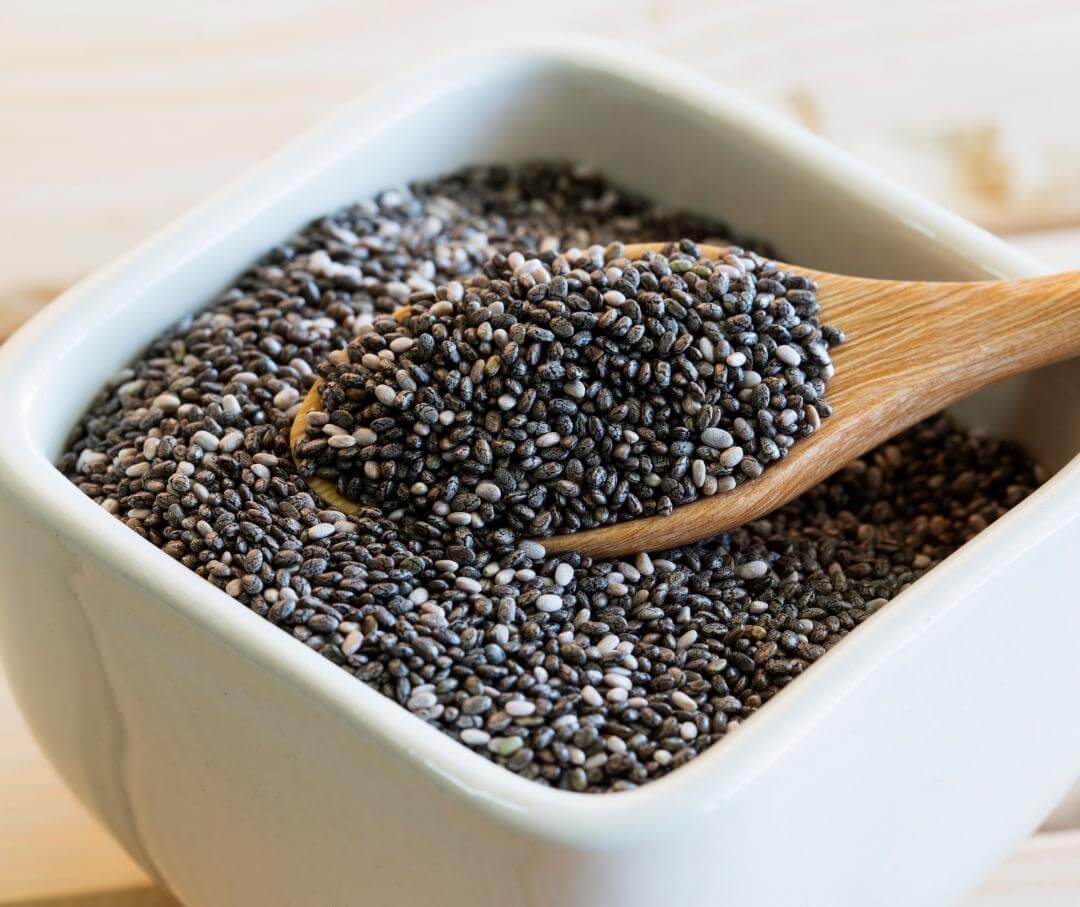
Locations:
{"points": [[241, 768]]}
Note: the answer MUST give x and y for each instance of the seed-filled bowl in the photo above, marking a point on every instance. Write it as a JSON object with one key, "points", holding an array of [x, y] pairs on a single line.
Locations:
{"points": [[240, 767]]}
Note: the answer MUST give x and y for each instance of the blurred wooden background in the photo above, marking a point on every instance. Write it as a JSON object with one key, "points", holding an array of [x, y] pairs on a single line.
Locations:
{"points": [[119, 114]]}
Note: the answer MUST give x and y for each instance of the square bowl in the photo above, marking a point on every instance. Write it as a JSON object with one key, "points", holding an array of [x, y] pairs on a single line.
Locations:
{"points": [[239, 767]]}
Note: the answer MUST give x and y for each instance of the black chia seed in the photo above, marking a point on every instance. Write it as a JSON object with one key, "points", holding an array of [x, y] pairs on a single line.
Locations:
{"points": [[590, 676], [551, 394]]}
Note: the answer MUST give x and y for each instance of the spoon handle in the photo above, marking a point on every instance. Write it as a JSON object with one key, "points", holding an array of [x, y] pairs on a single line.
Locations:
{"points": [[922, 346]]}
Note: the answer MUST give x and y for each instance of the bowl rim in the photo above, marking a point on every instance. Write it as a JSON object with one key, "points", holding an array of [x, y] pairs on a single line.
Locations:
{"points": [[583, 820]]}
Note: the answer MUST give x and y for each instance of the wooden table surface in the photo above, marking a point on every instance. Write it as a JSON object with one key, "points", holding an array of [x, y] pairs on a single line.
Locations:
{"points": [[119, 115]]}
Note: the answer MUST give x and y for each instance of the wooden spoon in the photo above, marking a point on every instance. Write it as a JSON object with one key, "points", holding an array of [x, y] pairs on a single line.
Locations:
{"points": [[912, 348]]}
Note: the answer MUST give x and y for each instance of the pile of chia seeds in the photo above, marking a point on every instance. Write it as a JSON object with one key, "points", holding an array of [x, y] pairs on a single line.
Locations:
{"points": [[551, 394], [585, 675]]}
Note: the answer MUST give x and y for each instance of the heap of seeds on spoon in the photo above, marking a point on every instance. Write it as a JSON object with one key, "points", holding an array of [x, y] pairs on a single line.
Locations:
{"points": [[587, 675], [551, 394]]}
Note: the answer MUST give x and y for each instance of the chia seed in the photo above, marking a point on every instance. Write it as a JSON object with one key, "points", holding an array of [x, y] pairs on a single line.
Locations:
{"points": [[496, 363], [585, 675]]}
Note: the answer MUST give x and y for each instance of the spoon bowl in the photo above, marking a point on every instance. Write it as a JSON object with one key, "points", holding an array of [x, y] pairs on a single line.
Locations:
{"points": [[911, 349]]}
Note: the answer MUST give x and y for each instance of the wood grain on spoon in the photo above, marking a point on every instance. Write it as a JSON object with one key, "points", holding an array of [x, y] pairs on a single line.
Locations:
{"points": [[912, 348]]}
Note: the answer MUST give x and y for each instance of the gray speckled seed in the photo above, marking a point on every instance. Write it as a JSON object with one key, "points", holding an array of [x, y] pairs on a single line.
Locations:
{"points": [[717, 438]]}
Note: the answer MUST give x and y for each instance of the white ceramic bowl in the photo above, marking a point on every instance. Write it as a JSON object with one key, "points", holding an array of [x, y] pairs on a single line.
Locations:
{"points": [[241, 768]]}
